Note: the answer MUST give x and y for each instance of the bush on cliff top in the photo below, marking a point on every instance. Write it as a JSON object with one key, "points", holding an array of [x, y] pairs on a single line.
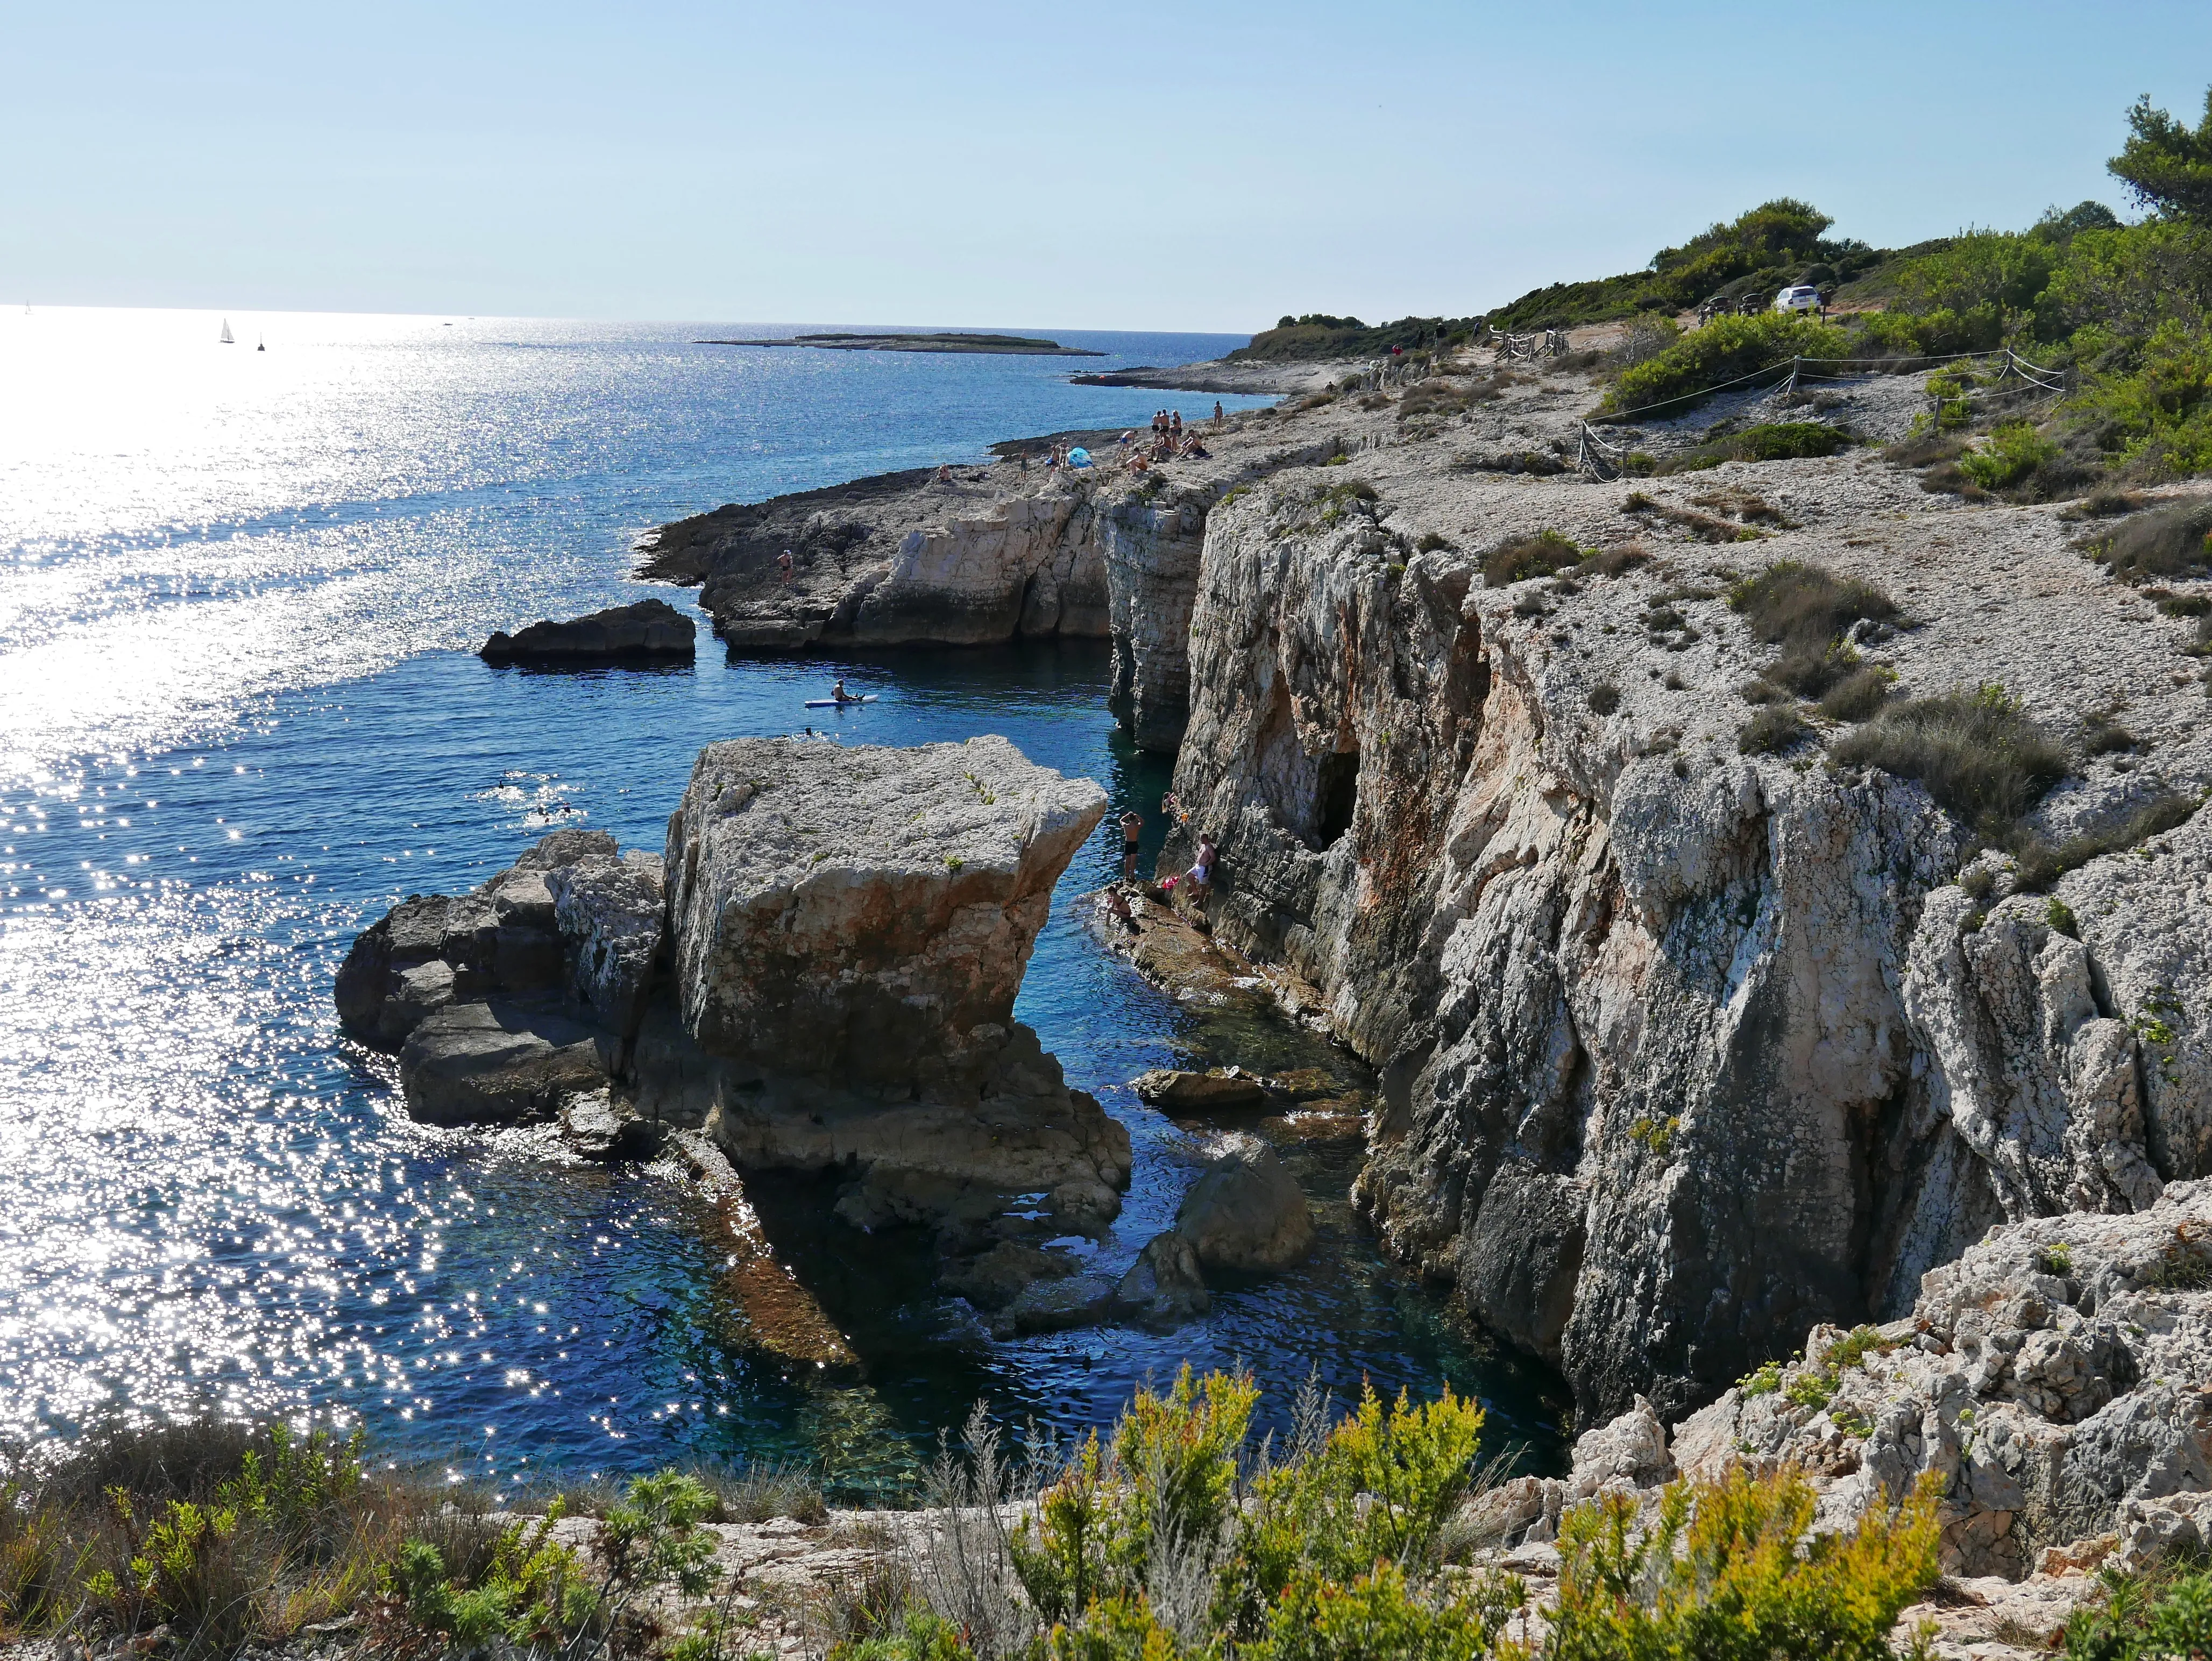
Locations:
{"points": [[1725, 349], [1978, 754], [1175, 1539], [1519, 558]]}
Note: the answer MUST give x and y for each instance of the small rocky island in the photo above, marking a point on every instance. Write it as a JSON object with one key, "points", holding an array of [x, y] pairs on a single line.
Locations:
{"points": [[1020, 345], [643, 629]]}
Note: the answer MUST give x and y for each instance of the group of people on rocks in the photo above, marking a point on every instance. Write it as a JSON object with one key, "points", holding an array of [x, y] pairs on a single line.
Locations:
{"points": [[1194, 885], [1170, 440]]}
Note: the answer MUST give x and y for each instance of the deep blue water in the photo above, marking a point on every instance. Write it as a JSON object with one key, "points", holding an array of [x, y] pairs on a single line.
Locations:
{"points": [[238, 718]]}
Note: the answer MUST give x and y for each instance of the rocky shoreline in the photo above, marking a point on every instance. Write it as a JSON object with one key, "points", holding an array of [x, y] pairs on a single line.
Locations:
{"points": [[1689, 1045]]}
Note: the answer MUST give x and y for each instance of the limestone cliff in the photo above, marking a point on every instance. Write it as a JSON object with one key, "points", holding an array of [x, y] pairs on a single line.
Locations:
{"points": [[1685, 1049]]}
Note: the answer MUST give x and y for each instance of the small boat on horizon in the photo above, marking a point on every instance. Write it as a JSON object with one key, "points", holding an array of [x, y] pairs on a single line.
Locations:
{"points": [[224, 338], [260, 342]]}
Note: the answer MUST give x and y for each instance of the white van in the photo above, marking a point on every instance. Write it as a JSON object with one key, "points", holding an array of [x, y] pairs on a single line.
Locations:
{"points": [[1804, 297]]}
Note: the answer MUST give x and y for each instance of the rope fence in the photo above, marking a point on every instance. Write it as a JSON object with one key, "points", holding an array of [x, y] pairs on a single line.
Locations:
{"points": [[1602, 460]]}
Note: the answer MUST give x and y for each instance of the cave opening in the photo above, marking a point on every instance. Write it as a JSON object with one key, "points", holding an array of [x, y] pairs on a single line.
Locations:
{"points": [[1336, 796]]}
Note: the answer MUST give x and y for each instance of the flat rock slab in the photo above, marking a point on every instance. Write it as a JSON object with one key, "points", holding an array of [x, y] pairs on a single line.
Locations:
{"points": [[499, 1063], [1218, 1088], [649, 628]]}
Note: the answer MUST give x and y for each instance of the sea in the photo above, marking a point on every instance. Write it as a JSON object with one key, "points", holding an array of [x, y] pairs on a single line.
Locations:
{"points": [[241, 715]]}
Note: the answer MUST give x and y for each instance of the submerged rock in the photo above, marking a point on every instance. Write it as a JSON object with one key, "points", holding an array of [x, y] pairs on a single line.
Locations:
{"points": [[1164, 1287], [647, 629], [1247, 1212]]}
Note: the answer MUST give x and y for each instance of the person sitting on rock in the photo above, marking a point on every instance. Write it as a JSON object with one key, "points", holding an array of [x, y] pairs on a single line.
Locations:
{"points": [[1117, 906]]}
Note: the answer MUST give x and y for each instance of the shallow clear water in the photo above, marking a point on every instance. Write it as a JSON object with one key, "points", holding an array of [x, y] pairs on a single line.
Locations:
{"points": [[238, 719]]}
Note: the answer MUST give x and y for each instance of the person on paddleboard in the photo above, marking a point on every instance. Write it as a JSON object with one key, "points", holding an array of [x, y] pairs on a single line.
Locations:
{"points": [[839, 693]]}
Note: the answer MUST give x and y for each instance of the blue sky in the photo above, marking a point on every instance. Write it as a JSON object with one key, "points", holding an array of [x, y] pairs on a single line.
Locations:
{"points": [[1135, 166]]}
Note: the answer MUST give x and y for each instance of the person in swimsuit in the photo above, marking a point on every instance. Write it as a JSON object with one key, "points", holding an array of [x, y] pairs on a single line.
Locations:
{"points": [[839, 693], [1133, 825], [783, 567]]}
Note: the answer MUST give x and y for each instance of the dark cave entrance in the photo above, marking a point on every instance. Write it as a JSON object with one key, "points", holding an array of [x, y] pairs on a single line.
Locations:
{"points": [[1336, 796]]}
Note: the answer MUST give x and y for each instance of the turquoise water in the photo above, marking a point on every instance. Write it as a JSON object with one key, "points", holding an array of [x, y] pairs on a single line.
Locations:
{"points": [[238, 718]]}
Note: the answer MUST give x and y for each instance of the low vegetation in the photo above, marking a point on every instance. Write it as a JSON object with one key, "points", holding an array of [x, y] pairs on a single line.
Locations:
{"points": [[232, 1537], [1175, 1535], [1767, 441], [1317, 335], [1978, 752], [1176, 1538], [1519, 558], [1805, 610], [2041, 863], [2165, 1615], [1771, 730], [2166, 542]]}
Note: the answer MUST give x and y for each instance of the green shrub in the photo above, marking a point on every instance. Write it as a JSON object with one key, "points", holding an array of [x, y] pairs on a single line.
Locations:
{"points": [[2056, 1259], [1519, 558], [1769, 441], [1724, 349], [1774, 729], [1978, 753], [2166, 1616], [1722, 1574], [2015, 450], [2059, 916], [1811, 672], [1604, 699]]}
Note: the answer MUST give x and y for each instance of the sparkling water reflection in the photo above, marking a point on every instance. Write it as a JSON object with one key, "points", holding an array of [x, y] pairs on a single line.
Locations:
{"points": [[235, 729]]}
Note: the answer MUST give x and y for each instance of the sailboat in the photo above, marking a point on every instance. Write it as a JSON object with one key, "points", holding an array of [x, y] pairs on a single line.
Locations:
{"points": [[260, 343], [224, 339]]}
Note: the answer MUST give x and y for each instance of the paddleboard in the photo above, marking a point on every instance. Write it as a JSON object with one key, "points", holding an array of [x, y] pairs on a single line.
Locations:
{"points": [[831, 703]]}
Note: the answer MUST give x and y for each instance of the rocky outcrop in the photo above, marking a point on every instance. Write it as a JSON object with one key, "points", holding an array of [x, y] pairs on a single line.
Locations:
{"points": [[2052, 1383], [506, 939], [644, 629], [902, 559], [850, 929]]}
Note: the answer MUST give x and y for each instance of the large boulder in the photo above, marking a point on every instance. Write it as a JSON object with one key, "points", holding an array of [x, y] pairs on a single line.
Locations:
{"points": [[499, 1063], [500, 1000], [1164, 1287], [1246, 1212], [1218, 1089], [610, 914], [647, 629], [849, 927]]}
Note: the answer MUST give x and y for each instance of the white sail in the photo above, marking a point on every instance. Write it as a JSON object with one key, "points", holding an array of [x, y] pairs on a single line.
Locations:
{"points": [[226, 339]]}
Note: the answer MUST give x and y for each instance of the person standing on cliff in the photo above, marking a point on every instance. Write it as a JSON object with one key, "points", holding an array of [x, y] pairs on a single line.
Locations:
{"points": [[1133, 825], [1217, 412], [783, 567]]}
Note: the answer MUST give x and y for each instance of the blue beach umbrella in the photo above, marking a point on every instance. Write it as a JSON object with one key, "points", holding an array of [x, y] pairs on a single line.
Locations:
{"points": [[1078, 456]]}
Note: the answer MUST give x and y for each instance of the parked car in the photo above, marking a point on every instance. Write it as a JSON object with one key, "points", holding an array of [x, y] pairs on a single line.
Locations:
{"points": [[1800, 297]]}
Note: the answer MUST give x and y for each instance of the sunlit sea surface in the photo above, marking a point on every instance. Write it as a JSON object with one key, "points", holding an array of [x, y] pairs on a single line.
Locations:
{"points": [[240, 716]]}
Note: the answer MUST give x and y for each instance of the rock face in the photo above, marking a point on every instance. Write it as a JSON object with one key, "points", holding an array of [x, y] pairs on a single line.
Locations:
{"points": [[1246, 1212], [2054, 1380], [850, 929], [647, 629], [1686, 1049]]}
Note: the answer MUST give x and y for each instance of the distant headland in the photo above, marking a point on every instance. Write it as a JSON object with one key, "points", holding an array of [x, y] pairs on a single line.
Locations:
{"points": [[939, 343]]}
